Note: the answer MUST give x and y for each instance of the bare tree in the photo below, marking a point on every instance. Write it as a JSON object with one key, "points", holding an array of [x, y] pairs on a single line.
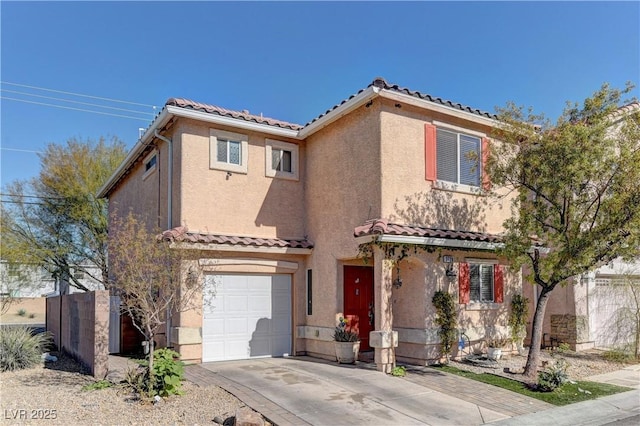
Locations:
{"points": [[151, 278]]}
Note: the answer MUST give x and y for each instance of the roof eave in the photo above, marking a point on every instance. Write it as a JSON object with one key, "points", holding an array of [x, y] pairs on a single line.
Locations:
{"points": [[434, 106], [344, 109], [430, 241], [232, 122], [162, 119], [239, 248]]}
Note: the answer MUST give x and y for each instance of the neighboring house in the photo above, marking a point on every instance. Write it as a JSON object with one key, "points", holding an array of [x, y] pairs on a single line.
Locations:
{"points": [[587, 312], [27, 281], [275, 214], [597, 309]]}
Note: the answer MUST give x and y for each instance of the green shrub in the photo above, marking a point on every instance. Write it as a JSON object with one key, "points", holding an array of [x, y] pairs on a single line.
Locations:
{"points": [[168, 372], [446, 319], [618, 355], [100, 384], [19, 349], [553, 376], [399, 371], [22, 312]]}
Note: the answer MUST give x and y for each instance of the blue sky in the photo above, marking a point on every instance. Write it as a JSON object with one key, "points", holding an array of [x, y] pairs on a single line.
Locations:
{"points": [[292, 61]]}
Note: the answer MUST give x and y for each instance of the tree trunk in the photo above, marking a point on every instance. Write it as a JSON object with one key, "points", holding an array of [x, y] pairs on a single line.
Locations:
{"points": [[152, 379], [533, 359]]}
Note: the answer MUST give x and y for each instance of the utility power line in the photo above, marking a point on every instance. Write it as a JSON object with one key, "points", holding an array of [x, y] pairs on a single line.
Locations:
{"points": [[74, 109], [76, 102], [20, 150], [77, 94]]}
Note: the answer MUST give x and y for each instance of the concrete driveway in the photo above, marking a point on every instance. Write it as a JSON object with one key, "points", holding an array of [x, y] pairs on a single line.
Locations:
{"points": [[326, 393], [304, 390]]}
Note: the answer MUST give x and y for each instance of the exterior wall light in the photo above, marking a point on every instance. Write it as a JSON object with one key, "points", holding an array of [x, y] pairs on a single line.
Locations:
{"points": [[448, 261], [397, 283]]}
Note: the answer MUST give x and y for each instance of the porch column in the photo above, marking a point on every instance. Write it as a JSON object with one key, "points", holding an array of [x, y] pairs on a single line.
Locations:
{"points": [[383, 338]]}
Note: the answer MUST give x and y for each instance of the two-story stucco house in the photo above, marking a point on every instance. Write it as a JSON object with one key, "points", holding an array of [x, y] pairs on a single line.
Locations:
{"points": [[275, 214]]}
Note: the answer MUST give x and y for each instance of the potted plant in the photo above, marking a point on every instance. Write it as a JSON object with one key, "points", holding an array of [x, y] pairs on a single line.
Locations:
{"points": [[494, 347], [347, 343]]}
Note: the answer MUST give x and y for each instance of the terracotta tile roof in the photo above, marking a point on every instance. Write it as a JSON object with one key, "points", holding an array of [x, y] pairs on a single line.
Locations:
{"points": [[382, 84], [241, 115], [182, 234], [382, 226]]}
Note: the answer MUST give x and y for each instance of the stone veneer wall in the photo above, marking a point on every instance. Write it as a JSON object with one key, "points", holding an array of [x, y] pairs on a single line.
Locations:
{"points": [[571, 329]]}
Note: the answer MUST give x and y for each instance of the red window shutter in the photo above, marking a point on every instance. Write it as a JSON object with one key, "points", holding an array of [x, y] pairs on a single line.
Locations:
{"points": [[464, 283], [498, 283], [486, 180], [430, 152]]}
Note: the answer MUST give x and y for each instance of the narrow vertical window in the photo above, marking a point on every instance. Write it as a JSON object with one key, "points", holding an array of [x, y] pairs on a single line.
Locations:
{"points": [[309, 292]]}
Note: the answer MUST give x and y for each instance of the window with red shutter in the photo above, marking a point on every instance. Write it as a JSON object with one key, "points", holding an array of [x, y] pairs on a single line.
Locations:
{"points": [[463, 283], [498, 283], [430, 152], [483, 282]]}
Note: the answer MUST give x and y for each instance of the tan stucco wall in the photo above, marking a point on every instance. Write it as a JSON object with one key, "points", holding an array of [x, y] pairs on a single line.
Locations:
{"points": [[238, 204], [406, 197], [413, 312], [342, 192], [146, 198]]}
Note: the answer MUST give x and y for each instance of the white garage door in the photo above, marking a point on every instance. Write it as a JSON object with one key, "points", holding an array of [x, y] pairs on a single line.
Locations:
{"points": [[246, 316]]}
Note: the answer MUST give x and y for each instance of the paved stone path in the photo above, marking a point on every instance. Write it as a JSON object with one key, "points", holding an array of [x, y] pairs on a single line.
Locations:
{"points": [[482, 394]]}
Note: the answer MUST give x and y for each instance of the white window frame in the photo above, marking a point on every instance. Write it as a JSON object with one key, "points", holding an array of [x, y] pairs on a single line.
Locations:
{"points": [[270, 145], [457, 186], [483, 262], [214, 134], [148, 172]]}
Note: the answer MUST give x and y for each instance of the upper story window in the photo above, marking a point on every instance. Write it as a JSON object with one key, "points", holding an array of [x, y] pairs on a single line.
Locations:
{"points": [[150, 164], [228, 151], [458, 158], [455, 159], [281, 159]]}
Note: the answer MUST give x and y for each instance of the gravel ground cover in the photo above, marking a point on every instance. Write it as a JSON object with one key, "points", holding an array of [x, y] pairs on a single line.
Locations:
{"points": [[48, 396], [581, 364]]}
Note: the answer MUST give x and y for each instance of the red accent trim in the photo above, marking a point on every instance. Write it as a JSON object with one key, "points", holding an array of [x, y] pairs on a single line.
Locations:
{"points": [[430, 152], [464, 283], [486, 180], [498, 283]]}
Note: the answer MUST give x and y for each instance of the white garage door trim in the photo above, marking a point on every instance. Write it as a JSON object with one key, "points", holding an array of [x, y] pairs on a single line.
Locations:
{"points": [[246, 316]]}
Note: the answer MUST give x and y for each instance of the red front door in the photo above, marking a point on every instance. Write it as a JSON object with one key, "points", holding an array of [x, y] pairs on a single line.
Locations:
{"points": [[358, 301]]}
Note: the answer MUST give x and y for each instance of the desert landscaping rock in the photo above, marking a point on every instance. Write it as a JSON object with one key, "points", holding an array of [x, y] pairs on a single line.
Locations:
{"points": [[581, 364], [37, 392]]}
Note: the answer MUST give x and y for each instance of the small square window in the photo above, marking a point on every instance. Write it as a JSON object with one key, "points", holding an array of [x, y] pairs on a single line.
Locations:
{"points": [[281, 159], [228, 151]]}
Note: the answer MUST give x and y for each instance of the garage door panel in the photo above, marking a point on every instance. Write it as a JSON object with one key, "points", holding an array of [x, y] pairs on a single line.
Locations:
{"points": [[259, 303], [249, 316]]}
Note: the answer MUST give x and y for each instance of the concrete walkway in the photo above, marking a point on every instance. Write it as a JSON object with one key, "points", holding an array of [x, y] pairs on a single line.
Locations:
{"points": [[304, 390]]}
